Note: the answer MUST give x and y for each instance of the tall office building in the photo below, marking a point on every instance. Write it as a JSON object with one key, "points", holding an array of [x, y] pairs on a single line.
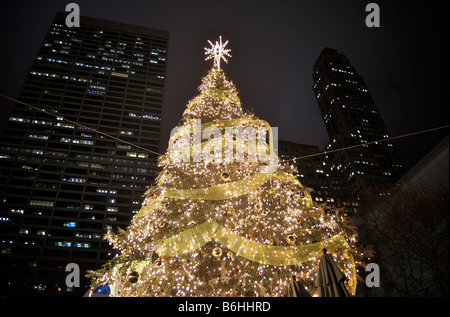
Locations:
{"points": [[313, 171], [352, 118], [63, 186]]}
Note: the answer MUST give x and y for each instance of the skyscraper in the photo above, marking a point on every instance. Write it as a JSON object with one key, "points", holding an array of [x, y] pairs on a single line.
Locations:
{"points": [[62, 185], [352, 118], [313, 171]]}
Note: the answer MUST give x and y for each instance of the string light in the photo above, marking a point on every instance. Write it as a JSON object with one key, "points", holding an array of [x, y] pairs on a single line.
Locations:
{"points": [[225, 227]]}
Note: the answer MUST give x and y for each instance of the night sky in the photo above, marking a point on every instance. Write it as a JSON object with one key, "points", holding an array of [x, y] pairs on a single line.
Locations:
{"points": [[274, 47]]}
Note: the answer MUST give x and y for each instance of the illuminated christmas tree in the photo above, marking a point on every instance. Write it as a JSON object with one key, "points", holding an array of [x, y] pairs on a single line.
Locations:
{"points": [[226, 217]]}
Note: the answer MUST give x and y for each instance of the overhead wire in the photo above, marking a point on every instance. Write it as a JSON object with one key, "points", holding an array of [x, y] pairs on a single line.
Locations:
{"points": [[287, 160], [81, 125], [366, 143]]}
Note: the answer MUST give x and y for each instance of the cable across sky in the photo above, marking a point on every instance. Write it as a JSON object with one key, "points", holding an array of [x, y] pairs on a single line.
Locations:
{"points": [[81, 125], [367, 143], [292, 159]]}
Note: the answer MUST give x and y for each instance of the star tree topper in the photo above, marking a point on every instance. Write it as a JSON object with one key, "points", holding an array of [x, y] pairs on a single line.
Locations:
{"points": [[218, 52]]}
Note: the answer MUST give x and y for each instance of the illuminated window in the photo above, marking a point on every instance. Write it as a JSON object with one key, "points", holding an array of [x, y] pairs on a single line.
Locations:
{"points": [[65, 244], [42, 122], [75, 180], [81, 141], [126, 132], [42, 203], [145, 116], [97, 165], [134, 154], [38, 136], [112, 209], [19, 119], [23, 231], [95, 92], [85, 245]]}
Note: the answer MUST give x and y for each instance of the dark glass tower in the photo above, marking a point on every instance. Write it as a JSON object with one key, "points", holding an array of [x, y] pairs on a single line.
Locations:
{"points": [[63, 186], [352, 118], [313, 171]]}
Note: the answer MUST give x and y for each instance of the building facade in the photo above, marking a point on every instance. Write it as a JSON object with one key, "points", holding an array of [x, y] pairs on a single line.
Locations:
{"points": [[352, 118], [63, 186], [313, 171]]}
